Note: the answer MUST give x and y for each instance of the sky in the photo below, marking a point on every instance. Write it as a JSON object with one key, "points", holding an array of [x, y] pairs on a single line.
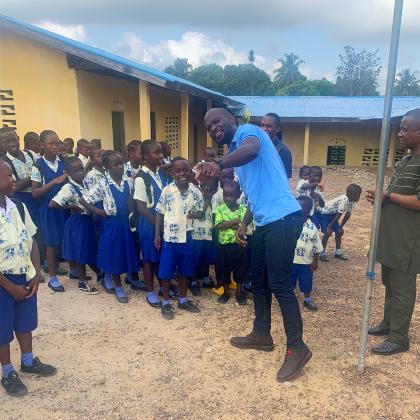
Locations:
{"points": [[155, 32]]}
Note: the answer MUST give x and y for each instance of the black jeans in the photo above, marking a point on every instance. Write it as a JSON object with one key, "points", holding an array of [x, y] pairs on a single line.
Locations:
{"points": [[272, 257]]}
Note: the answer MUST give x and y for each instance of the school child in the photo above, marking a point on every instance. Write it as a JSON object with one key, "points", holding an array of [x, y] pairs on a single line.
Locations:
{"points": [[47, 179], [205, 251], [148, 186], [307, 251], [79, 244], [179, 203], [19, 281], [61, 151], [96, 143], [116, 249], [135, 159], [69, 146], [303, 178], [167, 152], [330, 215], [83, 151], [232, 256], [32, 145], [209, 154]]}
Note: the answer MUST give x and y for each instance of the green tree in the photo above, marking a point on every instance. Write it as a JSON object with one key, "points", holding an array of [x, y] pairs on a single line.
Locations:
{"points": [[321, 87], [358, 72], [289, 70], [251, 56], [407, 84], [209, 76], [246, 79], [181, 68]]}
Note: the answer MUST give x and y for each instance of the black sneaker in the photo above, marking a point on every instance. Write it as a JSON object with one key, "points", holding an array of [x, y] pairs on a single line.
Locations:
{"points": [[189, 306], [167, 311], [195, 289], [294, 361], [324, 258], [241, 299], [100, 277], [39, 368], [341, 257], [224, 298], [310, 305], [76, 277], [13, 385], [208, 284], [138, 285], [85, 287]]}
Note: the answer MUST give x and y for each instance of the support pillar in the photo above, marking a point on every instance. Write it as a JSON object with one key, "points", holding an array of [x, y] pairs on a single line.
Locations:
{"points": [[185, 126], [306, 144], [144, 110], [392, 146]]}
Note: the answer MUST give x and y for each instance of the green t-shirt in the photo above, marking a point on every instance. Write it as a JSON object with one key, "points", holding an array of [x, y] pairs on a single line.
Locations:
{"points": [[224, 214]]}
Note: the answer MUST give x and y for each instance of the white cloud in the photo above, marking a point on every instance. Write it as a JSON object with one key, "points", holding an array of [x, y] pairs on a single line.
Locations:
{"points": [[198, 47], [76, 32]]}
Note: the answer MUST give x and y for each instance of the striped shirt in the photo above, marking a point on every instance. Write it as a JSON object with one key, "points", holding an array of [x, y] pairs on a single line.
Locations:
{"points": [[406, 177]]}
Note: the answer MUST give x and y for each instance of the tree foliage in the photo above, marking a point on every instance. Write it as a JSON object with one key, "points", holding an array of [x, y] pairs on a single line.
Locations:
{"points": [[321, 87], [246, 79], [407, 84], [251, 56], [289, 72], [181, 68], [358, 72]]}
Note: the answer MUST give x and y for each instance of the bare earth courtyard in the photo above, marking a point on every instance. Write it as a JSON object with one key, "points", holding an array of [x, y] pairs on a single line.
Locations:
{"points": [[126, 362]]}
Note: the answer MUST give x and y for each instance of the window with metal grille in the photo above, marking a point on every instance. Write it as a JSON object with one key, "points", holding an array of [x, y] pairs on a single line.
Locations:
{"points": [[336, 155], [172, 132], [7, 109]]}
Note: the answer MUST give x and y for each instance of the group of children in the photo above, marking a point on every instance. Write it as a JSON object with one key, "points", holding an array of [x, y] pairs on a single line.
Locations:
{"points": [[119, 214]]}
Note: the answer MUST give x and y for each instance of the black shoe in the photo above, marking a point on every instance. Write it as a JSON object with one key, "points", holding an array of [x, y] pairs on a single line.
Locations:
{"points": [[378, 330], [100, 277], [310, 305], [14, 386], [121, 299], [189, 306], [157, 304], [111, 290], [224, 298], [138, 285], [387, 348], [39, 368], [59, 288], [341, 257], [85, 287], [208, 284], [75, 277], [324, 258], [195, 289], [251, 341], [167, 311], [294, 362], [241, 299], [172, 294]]}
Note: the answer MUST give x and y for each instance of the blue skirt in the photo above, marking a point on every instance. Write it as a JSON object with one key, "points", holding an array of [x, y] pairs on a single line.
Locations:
{"points": [[146, 232], [52, 223], [79, 244], [116, 249]]}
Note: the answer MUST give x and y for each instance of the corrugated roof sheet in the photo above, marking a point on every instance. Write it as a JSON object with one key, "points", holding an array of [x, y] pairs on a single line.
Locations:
{"points": [[326, 107], [103, 57]]}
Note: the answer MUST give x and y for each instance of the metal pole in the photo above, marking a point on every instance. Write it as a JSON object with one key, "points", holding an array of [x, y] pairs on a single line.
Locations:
{"points": [[386, 121]]}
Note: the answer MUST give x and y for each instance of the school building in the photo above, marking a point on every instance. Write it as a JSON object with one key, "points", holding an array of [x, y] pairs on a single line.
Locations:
{"points": [[327, 130], [48, 81]]}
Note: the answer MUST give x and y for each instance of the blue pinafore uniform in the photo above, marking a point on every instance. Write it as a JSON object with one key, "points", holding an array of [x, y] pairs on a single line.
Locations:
{"points": [[116, 250], [146, 230], [51, 221]]}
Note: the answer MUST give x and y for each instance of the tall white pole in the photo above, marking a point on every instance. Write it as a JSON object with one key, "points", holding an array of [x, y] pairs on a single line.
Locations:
{"points": [[386, 122]]}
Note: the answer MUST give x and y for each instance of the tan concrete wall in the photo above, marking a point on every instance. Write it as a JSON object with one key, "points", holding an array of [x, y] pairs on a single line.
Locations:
{"points": [[44, 88], [98, 97]]}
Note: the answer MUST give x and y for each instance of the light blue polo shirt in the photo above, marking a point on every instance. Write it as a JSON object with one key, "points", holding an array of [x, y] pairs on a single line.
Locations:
{"points": [[264, 180]]}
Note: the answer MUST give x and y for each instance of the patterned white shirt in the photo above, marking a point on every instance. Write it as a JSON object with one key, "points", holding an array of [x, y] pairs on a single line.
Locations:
{"points": [[130, 171], [308, 244], [23, 169], [340, 204], [203, 229], [84, 160], [300, 191], [36, 174], [93, 177], [68, 195], [140, 187], [16, 241], [175, 208], [102, 192]]}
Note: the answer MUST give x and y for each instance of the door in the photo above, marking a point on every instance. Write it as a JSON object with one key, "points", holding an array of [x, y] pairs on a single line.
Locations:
{"points": [[118, 131], [336, 155]]}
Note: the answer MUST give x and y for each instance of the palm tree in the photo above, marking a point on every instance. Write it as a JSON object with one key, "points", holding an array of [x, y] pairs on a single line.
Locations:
{"points": [[289, 70], [407, 84]]}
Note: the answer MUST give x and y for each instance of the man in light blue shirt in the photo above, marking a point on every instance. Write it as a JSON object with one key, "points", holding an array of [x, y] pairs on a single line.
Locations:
{"points": [[279, 221]]}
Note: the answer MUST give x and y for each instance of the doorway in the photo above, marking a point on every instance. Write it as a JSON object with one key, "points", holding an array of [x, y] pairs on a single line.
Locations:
{"points": [[118, 131]]}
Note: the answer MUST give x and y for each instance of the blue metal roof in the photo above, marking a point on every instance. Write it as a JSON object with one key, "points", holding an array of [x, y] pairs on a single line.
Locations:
{"points": [[108, 59], [307, 108]]}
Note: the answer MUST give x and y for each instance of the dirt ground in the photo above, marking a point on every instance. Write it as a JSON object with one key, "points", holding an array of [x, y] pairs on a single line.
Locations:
{"points": [[126, 362]]}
